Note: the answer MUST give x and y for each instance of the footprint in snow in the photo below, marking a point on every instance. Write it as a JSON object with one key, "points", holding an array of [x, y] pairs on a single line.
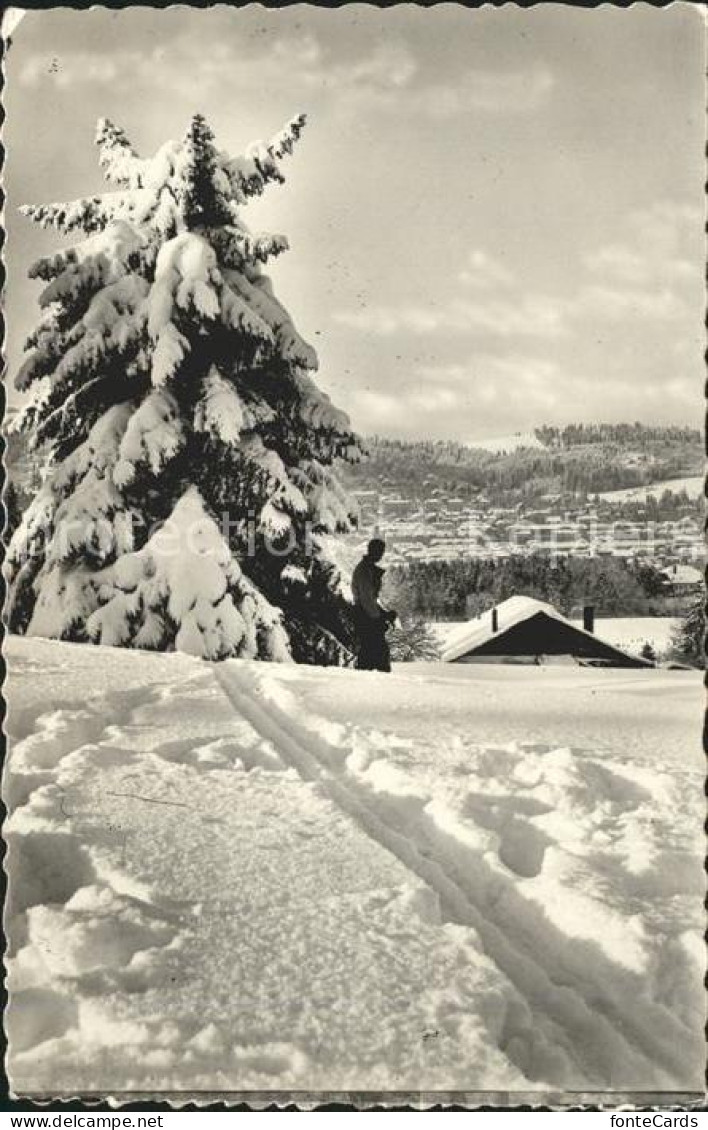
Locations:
{"points": [[222, 753]]}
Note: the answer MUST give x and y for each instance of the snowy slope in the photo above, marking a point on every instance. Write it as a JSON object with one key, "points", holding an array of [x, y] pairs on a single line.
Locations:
{"points": [[250, 876], [500, 445], [692, 484]]}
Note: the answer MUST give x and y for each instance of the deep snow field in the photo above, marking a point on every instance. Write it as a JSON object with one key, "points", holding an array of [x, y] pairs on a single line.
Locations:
{"points": [[692, 484], [247, 876]]}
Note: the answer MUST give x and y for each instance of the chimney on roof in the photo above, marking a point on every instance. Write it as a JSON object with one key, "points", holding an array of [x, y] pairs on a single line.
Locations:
{"points": [[495, 620], [589, 618]]}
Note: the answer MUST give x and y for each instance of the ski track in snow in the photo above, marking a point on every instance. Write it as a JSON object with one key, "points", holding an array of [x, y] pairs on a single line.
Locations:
{"points": [[578, 1000], [93, 931]]}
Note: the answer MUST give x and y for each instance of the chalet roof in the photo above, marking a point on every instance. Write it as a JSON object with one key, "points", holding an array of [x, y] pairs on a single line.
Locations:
{"points": [[682, 575], [511, 612]]}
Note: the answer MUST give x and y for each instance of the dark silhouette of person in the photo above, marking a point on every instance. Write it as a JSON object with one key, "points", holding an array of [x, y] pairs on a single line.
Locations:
{"points": [[372, 620]]}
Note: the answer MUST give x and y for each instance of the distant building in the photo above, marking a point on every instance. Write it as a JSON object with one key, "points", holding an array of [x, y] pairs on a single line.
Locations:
{"points": [[682, 580], [524, 630]]}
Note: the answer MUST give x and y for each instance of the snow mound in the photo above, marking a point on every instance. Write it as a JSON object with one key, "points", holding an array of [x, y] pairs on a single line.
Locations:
{"points": [[185, 575]]}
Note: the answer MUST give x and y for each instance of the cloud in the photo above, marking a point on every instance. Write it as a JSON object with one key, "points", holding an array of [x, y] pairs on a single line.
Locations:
{"points": [[377, 411], [617, 303], [174, 64], [497, 308], [492, 379], [666, 224], [461, 399], [540, 355], [620, 266], [383, 321], [489, 91], [374, 409], [609, 394], [509, 390], [78, 67], [388, 67], [619, 262], [624, 264], [653, 273], [529, 316], [385, 78], [483, 270], [290, 63], [658, 251]]}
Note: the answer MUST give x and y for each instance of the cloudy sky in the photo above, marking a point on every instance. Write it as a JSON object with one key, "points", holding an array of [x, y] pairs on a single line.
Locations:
{"points": [[495, 216]]}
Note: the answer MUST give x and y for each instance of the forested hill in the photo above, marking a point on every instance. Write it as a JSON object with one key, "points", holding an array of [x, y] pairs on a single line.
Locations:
{"points": [[629, 436], [578, 459]]}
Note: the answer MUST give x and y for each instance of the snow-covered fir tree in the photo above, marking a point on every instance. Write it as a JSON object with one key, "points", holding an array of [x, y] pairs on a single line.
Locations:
{"points": [[689, 644], [190, 453], [411, 639]]}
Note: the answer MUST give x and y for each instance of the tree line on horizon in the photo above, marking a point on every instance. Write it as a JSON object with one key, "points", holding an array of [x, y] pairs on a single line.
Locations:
{"points": [[460, 588], [636, 434], [416, 467]]}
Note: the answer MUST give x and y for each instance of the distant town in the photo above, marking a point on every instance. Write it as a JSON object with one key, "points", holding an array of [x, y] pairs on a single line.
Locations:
{"points": [[439, 502], [626, 494]]}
